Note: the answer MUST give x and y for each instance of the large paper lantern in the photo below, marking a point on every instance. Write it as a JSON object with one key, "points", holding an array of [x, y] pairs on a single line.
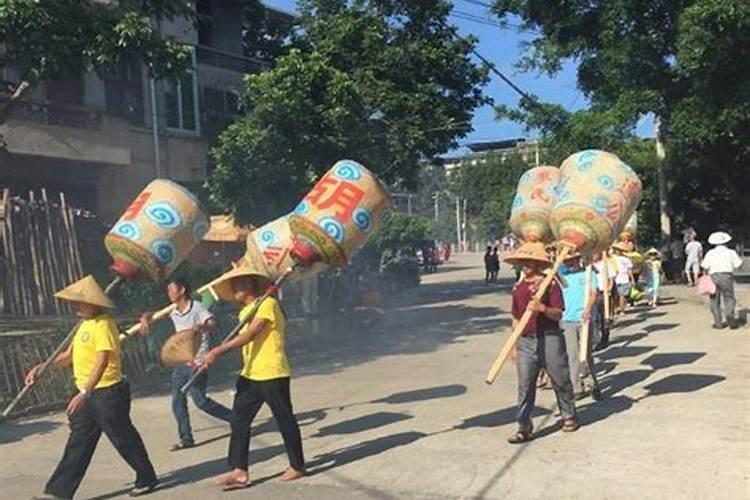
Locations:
{"points": [[157, 231], [598, 193], [535, 198]]}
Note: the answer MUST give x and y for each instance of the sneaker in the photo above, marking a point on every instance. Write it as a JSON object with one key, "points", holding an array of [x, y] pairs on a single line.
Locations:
{"points": [[143, 490]]}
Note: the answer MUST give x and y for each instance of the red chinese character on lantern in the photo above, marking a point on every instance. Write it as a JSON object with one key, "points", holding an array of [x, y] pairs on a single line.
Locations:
{"points": [[540, 194], [136, 206], [341, 195]]}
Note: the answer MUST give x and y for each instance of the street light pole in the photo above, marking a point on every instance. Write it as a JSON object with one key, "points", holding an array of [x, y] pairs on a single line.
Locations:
{"points": [[436, 195], [458, 224]]}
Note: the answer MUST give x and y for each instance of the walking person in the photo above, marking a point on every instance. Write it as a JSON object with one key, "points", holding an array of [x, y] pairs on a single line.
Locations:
{"points": [[265, 374], [677, 252], [189, 314], [693, 257], [102, 403], [495, 262], [541, 345], [624, 279], [488, 264], [720, 263], [653, 276], [579, 298], [604, 284]]}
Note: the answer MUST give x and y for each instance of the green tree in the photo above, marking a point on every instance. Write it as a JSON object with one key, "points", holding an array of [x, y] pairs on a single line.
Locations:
{"points": [[400, 230], [688, 63], [51, 39], [489, 186], [266, 33], [383, 82]]}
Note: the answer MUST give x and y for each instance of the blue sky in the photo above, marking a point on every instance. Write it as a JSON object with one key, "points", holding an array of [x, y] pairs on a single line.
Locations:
{"points": [[503, 48]]}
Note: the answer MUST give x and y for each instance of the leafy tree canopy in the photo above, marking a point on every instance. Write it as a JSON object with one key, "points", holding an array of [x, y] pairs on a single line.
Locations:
{"points": [[383, 82]]}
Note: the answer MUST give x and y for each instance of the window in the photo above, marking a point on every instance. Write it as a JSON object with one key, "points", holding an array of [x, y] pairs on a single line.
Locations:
{"points": [[181, 101], [123, 87]]}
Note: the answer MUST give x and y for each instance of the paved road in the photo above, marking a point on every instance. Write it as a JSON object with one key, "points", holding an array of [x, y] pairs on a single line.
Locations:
{"points": [[404, 413]]}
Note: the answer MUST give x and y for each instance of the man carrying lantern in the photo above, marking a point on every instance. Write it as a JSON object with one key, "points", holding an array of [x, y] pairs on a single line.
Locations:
{"points": [[541, 345], [102, 403]]}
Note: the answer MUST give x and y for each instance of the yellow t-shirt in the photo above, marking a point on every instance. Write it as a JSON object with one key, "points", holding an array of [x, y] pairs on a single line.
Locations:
{"points": [[264, 358], [96, 335]]}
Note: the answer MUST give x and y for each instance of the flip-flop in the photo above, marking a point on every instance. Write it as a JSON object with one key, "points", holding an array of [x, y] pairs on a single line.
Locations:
{"points": [[521, 437], [570, 425], [237, 485]]}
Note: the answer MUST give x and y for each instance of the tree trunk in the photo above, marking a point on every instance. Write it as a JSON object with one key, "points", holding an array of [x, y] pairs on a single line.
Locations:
{"points": [[6, 108]]}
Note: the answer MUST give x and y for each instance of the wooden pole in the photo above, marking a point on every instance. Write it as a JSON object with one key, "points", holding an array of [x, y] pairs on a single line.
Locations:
{"points": [[10, 255], [583, 352], [521, 325], [60, 347], [52, 249], [4, 263], [241, 323], [36, 255], [607, 283]]}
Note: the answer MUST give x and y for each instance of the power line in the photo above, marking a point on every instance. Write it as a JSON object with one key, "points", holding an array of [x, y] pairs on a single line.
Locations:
{"points": [[477, 2]]}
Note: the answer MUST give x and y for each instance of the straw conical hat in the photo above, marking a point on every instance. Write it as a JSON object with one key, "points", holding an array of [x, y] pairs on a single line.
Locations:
{"points": [[223, 286], [86, 290], [532, 250], [620, 246], [179, 348]]}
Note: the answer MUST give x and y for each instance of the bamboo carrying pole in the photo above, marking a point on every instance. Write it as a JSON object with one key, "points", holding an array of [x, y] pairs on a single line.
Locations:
{"points": [[565, 250], [607, 291], [241, 323], [59, 349], [583, 352]]}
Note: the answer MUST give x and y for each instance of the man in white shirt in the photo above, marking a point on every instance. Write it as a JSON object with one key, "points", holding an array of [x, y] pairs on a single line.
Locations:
{"points": [[693, 254], [624, 278], [189, 314], [720, 263]]}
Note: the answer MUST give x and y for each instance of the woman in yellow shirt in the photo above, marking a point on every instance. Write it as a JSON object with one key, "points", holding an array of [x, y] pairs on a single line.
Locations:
{"points": [[264, 377], [102, 403]]}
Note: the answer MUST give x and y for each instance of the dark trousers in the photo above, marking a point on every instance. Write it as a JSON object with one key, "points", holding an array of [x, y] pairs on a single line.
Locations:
{"points": [[250, 396], [724, 293], [534, 352], [108, 411], [600, 324], [180, 375]]}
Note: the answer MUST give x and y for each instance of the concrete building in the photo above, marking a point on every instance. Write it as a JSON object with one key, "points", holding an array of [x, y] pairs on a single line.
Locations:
{"points": [[92, 137], [480, 151]]}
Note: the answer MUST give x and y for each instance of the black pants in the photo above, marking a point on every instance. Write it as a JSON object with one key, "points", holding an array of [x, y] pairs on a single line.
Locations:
{"points": [[108, 411], [251, 395]]}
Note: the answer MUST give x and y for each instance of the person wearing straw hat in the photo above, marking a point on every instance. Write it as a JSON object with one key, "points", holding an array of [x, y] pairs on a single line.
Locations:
{"points": [[720, 263], [265, 373], [653, 277], [102, 403], [541, 345], [189, 315], [579, 299], [624, 279]]}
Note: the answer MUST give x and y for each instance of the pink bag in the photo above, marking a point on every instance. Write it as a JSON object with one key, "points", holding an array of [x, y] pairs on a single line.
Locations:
{"points": [[705, 285]]}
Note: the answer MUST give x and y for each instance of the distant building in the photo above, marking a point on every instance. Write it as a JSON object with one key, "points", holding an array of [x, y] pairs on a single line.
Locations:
{"points": [[91, 136], [528, 151]]}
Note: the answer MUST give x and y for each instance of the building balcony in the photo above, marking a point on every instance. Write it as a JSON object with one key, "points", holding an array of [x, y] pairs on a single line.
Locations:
{"points": [[61, 115], [226, 60]]}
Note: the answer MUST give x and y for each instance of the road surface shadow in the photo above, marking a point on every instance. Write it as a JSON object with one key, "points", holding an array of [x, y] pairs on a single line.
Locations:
{"points": [[601, 410], [681, 383], [362, 424], [11, 431], [625, 351], [439, 392], [669, 359], [497, 418], [617, 382], [361, 451], [660, 327]]}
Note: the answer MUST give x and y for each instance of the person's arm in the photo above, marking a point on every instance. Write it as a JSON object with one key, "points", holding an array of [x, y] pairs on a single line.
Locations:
{"points": [[248, 334], [101, 360], [737, 260], [552, 313], [145, 322], [62, 360]]}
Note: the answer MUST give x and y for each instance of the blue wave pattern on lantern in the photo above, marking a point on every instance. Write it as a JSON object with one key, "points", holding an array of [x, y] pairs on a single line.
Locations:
{"points": [[585, 160], [200, 229], [526, 177], [347, 171], [362, 218], [333, 228], [164, 214], [564, 196], [267, 238], [517, 201], [129, 230], [302, 208], [600, 204], [164, 251], [606, 182]]}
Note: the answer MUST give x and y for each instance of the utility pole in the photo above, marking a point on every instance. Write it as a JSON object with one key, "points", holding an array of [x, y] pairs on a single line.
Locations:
{"points": [[464, 227], [408, 204], [436, 196], [458, 224], [536, 153], [666, 223]]}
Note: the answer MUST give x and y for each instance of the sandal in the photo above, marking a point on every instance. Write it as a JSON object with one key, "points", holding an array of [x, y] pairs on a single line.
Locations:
{"points": [[570, 425], [520, 437], [229, 482]]}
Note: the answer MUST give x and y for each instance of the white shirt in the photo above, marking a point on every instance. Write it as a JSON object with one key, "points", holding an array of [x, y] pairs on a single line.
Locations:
{"points": [[599, 266], [721, 260], [195, 315], [623, 273], [693, 251]]}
